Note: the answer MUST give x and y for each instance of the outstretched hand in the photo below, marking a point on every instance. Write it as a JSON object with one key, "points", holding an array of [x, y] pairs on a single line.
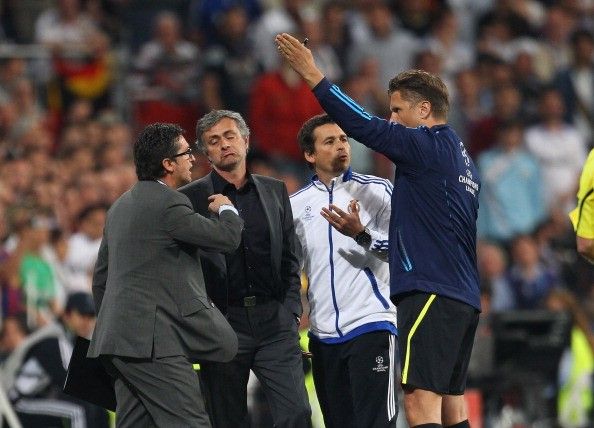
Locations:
{"points": [[299, 58], [347, 223]]}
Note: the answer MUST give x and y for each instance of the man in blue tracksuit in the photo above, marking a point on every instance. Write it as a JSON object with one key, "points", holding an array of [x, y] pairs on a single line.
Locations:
{"points": [[432, 251]]}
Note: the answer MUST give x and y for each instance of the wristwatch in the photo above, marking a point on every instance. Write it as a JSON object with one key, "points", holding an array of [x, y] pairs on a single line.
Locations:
{"points": [[363, 238]]}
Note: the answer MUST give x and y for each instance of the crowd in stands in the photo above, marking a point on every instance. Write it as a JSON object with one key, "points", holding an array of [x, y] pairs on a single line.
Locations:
{"points": [[79, 78]]}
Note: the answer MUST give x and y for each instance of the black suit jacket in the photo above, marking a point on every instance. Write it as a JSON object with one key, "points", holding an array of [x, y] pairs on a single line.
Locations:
{"points": [[284, 263]]}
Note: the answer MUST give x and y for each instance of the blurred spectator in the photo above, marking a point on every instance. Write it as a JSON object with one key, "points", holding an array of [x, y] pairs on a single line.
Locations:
{"points": [[483, 133], [324, 55], [576, 85], [13, 333], [80, 55], [230, 66], [167, 65], [35, 274], [555, 35], [12, 336], [495, 35], [445, 42], [337, 31], [82, 248], [286, 17], [42, 361], [530, 281], [511, 198], [527, 79], [28, 111], [575, 400], [467, 13], [492, 264], [392, 46], [88, 77], [165, 85], [560, 150], [207, 17], [11, 70], [280, 102], [466, 107], [417, 16], [54, 253], [65, 28]]}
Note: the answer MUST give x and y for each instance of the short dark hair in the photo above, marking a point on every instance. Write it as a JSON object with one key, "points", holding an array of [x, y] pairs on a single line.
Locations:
{"points": [[419, 85], [305, 136], [156, 142]]}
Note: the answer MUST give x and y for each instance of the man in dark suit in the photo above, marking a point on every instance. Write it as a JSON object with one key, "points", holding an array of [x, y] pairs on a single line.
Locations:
{"points": [[154, 316], [258, 285]]}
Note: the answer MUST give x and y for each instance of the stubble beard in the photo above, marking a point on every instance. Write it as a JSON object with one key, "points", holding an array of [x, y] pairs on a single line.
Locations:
{"points": [[339, 165]]}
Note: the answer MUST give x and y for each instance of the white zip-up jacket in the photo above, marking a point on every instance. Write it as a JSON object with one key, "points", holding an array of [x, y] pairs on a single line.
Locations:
{"points": [[348, 291]]}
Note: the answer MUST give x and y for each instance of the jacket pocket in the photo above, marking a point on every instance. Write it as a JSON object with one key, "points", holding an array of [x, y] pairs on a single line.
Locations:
{"points": [[404, 259], [194, 305], [375, 287]]}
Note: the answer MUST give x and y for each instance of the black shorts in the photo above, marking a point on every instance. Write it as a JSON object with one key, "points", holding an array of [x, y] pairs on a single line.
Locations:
{"points": [[435, 338]]}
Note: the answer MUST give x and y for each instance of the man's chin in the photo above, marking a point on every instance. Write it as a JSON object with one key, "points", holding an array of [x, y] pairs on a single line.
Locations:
{"points": [[227, 166], [340, 165]]}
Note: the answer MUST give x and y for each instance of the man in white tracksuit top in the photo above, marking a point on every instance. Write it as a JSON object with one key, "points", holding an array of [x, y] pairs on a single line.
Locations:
{"points": [[341, 222]]}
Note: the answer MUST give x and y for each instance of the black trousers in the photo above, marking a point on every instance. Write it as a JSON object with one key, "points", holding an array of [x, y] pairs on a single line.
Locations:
{"points": [[356, 381], [160, 392], [269, 346]]}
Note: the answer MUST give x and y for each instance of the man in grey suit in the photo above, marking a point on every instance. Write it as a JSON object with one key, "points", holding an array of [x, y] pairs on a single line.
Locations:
{"points": [[154, 316], [258, 285]]}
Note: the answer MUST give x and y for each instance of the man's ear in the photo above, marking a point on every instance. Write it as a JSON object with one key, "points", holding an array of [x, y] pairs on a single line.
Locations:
{"points": [[167, 165], [425, 109], [247, 143], [310, 157]]}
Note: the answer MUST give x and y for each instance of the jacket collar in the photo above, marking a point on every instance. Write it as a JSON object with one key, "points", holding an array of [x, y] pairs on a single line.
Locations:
{"points": [[342, 178]]}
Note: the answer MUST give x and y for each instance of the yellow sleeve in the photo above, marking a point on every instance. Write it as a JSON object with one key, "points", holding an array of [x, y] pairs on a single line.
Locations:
{"points": [[582, 216]]}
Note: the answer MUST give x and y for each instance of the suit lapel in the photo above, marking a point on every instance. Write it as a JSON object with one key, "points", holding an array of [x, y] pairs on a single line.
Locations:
{"points": [[207, 189], [270, 207]]}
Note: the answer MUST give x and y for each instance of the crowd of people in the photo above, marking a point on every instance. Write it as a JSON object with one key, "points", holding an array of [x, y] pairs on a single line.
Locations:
{"points": [[79, 79]]}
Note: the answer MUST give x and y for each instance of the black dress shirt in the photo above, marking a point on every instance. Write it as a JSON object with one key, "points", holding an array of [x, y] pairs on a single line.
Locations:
{"points": [[248, 268]]}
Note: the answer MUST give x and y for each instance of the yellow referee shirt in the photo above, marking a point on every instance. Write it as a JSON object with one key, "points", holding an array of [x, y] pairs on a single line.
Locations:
{"points": [[582, 216]]}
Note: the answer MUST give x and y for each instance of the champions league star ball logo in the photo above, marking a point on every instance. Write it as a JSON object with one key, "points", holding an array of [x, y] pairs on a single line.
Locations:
{"points": [[308, 215], [380, 367]]}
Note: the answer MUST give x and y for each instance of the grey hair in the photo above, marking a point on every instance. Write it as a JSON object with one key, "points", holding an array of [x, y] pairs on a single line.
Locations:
{"points": [[212, 118]]}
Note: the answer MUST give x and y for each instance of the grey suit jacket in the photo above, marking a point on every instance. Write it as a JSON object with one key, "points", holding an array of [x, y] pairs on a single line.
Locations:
{"points": [[148, 286], [285, 265]]}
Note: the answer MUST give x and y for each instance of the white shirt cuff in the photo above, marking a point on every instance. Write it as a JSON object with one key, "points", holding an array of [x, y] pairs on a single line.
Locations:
{"points": [[227, 207]]}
